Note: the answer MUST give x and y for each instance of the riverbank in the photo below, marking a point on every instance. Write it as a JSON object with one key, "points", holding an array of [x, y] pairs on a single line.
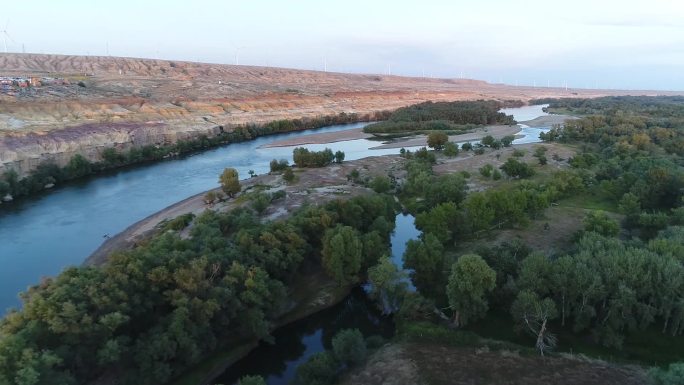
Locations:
{"points": [[327, 137], [312, 186], [497, 132]]}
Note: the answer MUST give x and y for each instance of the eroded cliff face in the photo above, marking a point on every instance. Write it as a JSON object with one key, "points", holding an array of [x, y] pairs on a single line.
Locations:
{"points": [[122, 102]]}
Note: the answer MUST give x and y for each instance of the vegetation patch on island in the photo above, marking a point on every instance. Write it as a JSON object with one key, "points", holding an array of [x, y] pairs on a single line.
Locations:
{"points": [[450, 117]]}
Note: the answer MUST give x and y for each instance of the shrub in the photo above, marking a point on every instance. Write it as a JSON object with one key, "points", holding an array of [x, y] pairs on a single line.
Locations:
{"points": [[349, 346], [211, 196], [279, 165], [375, 341], [517, 169], [288, 175], [354, 175], [599, 222], [674, 375], [381, 184], [252, 380], [518, 153], [479, 151], [507, 140], [487, 140], [180, 222], [319, 369], [486, 170], [260, 202], [467, 146], [424, 154], [450, 149], [280, 194]]}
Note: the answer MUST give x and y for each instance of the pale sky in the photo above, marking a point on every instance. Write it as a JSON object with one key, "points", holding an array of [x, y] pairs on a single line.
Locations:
{"points": [[605, 43]]}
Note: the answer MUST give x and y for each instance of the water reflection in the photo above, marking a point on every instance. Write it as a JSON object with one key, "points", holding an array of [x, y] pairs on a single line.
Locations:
{"points": [[295, 343]]}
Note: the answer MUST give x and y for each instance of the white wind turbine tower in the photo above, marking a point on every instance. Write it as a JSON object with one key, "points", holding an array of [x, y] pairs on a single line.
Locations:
{"points": [[6, 36], [237, 54]]}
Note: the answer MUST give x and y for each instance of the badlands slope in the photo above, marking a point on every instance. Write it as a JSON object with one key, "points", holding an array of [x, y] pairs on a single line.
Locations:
{"points": [[133, 102]]}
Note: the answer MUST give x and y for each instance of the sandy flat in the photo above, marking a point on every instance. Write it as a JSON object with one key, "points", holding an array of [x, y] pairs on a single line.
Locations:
{"points": [[326, 137], [421, 140], [547, 120]]}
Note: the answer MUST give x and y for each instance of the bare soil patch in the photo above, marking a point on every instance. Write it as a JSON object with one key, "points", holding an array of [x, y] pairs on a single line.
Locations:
{"points": [[327, 137], [434, 364], [455, 366]]}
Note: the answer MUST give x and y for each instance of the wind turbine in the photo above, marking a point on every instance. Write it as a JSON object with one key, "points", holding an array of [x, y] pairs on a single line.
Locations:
{"points": [[237, 54], [6, 36]]}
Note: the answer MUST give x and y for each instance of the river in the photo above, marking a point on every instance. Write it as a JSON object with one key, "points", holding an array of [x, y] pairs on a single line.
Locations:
{"points": [[41, 235], [295, 343]]}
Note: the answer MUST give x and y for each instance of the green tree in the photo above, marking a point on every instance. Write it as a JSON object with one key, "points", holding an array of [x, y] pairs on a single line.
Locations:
{"points": [[470, 281], [599, 222], [445, 188], [319, 369], [381, 184], [532, 314], [342, 254], [349, 346], [426, 258], [230, 182], [387, 285], [339, 156], [439, 221], [436, 140]]}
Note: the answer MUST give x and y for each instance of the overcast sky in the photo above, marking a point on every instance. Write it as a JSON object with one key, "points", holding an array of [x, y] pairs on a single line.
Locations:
{"points": [[604, 43]]}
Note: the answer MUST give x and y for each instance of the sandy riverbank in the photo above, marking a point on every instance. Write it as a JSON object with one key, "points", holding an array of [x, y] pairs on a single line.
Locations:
{"points": [[547, 120], [326, 137], [421, 140], [313, 186], [418, 140]]}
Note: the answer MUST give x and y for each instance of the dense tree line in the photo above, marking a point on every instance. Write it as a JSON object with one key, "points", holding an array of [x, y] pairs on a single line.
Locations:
{"points": [[618, 278], [442, 116], [151, 312], [48, 173], [303, 157]]}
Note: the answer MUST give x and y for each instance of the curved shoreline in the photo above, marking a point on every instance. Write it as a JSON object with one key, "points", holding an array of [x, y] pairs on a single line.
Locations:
{"points": [[497, 131]]}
